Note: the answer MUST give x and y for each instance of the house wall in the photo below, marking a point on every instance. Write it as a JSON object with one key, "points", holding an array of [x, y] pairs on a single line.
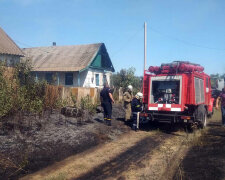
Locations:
{"points": [[88, 77], [10, 60], [85, 78], [58, 77]]}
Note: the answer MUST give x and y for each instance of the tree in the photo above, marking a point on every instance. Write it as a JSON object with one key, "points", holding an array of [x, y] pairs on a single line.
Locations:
{"points": [[127, 77]]}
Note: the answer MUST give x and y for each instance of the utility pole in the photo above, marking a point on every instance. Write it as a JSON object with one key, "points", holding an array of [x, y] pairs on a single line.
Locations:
{"points": [[145, 44]]}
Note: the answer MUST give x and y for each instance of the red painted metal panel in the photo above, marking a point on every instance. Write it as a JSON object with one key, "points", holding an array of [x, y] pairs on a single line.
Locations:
{"points": [[187, 89], [145, 88]]}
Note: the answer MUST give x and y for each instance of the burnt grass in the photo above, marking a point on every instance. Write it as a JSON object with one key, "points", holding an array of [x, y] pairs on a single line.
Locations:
{"points": [[34, 142], [206, 159]]}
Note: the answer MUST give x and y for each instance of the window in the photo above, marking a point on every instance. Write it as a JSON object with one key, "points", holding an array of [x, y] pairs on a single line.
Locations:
{"points": [[69, 79], [165, 92], [49, 78], [97, 79], [104, 79], [199, 91]]}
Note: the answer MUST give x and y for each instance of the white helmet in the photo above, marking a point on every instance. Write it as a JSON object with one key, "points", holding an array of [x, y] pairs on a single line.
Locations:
{"points": [[130, 87], [139, 95]]}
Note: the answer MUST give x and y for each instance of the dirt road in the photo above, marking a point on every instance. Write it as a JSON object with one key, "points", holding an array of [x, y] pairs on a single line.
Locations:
{"points": [[135, 155]]}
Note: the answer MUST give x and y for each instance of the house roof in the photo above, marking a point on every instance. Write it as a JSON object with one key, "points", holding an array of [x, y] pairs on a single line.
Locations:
{"points": [[62, 58], [7, 45]]}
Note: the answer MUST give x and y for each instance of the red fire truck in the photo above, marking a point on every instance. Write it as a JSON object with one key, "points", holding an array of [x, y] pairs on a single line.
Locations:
{"points": [[178, 92]]}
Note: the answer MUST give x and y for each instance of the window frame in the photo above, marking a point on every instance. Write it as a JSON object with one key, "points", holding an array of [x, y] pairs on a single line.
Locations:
{"points": [[97, 79]]}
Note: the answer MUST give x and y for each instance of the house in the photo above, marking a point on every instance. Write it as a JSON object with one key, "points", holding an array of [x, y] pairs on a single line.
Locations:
{"points": [[74, 66], [10, 53]]}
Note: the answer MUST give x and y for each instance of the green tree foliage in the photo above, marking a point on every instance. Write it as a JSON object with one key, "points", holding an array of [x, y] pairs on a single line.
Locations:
{"points": [[6, 94], [19, 92], [87, 104], [127, 77]]}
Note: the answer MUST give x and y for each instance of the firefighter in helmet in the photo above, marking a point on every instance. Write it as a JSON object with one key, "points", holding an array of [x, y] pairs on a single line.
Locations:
{"points": [[136, 106], [127, 97], [106, 102]]}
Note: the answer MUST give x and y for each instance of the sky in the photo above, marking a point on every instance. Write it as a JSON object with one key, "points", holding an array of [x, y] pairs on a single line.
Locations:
{"points": [[188, 30]]}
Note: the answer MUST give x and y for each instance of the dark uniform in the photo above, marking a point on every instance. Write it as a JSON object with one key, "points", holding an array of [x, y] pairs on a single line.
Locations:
{"points": [[106, 104], [222, 96], [136, 107]]}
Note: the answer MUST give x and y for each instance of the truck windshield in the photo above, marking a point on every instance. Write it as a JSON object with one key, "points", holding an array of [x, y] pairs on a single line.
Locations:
{"points": [[165, 92]]}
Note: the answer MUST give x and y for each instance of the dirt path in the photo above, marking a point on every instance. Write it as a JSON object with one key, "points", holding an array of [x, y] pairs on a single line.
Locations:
{"points": [[149, 155], [135, 155]]}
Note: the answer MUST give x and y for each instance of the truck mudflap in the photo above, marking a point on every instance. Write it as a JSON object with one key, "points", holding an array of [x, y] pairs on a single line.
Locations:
{"points": [[165, 107]]}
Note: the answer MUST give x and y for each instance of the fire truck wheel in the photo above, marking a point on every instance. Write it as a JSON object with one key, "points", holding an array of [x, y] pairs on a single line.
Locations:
{"points": [[204, 123], [201, 116]]}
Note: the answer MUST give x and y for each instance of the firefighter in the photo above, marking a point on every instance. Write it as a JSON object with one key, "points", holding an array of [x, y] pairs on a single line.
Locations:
{"points": [[136, 106], [127, 97], [222, 99], [106, 102]]}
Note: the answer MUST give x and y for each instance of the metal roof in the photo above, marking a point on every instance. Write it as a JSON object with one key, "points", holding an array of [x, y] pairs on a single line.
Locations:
{"points": [[62, 58], [7, 45]]}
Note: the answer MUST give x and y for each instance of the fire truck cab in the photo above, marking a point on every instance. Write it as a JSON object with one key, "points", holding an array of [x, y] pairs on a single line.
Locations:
{"points": [[178, 92]]}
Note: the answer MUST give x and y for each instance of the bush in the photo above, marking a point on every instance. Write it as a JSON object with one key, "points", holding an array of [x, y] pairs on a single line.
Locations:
{"points": [[52, 97], [86, 104], [19, 92], [29, 93], [6, 94]]}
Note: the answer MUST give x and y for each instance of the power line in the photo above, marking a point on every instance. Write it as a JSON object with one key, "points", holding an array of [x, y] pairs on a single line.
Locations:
{"points": [[184, 41], [125, 44], [132, 37]]}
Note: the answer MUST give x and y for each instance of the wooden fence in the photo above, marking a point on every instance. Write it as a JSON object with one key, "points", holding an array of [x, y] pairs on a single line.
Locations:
{"points": [[80, 92], [67, 94]]}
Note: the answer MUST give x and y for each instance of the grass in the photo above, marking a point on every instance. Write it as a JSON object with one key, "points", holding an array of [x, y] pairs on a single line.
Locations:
{"points": [[216, 116], [205, 154], [60, 176]]}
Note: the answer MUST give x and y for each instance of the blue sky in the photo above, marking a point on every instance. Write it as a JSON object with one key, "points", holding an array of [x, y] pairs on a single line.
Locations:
{"points": [[192, 30]]}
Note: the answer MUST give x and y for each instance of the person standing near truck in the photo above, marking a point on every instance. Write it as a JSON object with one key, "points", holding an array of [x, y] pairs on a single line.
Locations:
{"points": [[127, 97], [136, 106], [222, 99], [106, 102]]}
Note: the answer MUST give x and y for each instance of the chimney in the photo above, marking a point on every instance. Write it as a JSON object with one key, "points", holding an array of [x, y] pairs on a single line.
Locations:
{"points": [[54, 44]]}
